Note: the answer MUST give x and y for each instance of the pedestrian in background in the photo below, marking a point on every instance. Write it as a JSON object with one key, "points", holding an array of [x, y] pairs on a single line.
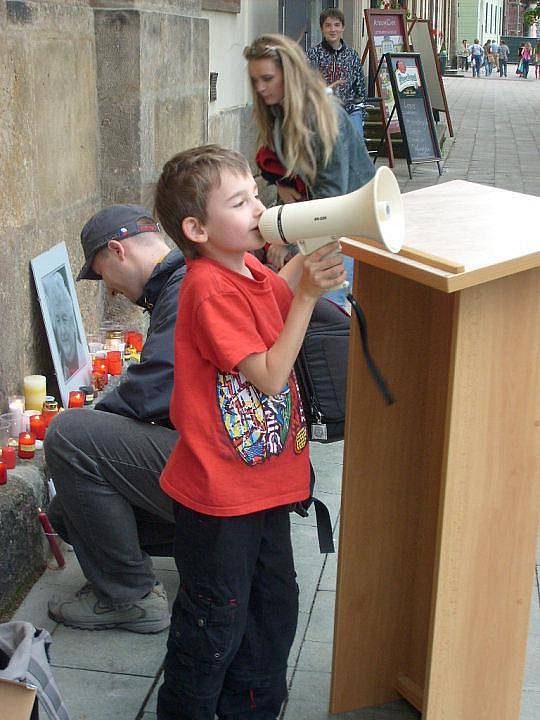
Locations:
{"points": [[504, 54], [340, 66], [487, 58], [526, 55], [537, 60], [476, 51], [464, 56], [495, 54]]}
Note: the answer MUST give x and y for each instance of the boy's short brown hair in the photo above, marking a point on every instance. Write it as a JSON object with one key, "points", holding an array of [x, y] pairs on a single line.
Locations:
{"points": [[331, 13], [184, 186]]}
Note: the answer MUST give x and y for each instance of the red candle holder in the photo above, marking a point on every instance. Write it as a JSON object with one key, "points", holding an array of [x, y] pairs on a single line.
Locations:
{"points": [[38, 426], [101, 366], [8, 457], [50, 409], [99, 380], [27, 446], [114, 361], [76, 399], [3, 473], [135, 340]]}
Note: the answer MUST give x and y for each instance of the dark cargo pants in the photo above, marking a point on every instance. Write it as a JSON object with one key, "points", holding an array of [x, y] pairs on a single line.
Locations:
{"points": [[234, 618], [109, 505]]}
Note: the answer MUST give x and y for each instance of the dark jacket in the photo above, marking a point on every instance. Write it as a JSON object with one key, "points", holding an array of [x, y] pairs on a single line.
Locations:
{"points": [[146, 392], [341, 64], [349, 167]]}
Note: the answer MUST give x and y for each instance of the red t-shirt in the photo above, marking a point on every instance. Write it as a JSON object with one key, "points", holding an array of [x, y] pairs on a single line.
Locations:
{"points": [[240, 451]]}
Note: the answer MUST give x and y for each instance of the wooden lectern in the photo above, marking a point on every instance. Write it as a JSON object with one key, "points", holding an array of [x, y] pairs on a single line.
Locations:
{"points": [[441, 490]]}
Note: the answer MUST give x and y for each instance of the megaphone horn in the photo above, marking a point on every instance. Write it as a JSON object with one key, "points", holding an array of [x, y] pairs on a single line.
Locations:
{"points": [[374, 211]]}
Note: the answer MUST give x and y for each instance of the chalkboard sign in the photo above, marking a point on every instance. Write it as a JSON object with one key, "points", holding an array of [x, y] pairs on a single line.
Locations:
{"points": [[413, 108]]}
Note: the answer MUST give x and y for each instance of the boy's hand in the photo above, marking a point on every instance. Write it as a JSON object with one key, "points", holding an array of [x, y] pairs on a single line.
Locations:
{"points": [[323, 271]]}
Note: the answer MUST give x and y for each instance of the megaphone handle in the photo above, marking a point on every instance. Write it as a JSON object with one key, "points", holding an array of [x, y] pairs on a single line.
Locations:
{"points": [[373, 369]]}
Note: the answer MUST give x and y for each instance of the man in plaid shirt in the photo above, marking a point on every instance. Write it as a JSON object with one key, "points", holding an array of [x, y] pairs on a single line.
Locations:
{"points": [[340, 65]]}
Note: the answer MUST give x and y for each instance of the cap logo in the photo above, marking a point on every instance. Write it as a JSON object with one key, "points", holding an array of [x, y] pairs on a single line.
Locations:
{"points": [[123, 231]]}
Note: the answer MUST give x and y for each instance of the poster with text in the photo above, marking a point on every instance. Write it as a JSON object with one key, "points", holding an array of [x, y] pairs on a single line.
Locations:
{"points": [[386, 29]]}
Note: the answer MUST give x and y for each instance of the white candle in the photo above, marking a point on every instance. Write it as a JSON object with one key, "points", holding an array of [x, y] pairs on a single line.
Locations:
{"points": [[16, 407], [35, 389]]}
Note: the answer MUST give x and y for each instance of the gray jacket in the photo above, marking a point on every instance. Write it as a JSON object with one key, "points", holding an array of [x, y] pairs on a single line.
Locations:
{"points": [[349, 167]]}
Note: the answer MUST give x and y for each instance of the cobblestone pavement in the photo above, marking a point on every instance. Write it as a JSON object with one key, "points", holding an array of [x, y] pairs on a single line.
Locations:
{"points": [[114, 674]]}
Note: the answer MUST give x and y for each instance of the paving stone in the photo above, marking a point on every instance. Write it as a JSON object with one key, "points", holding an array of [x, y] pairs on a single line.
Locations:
{"points": [[108, 651], [306, 710], [101, 696], [321, 624], [315, 656]]}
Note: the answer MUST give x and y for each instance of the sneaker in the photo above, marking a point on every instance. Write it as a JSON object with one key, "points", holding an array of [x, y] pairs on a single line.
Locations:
{"points": [[85, 611]]}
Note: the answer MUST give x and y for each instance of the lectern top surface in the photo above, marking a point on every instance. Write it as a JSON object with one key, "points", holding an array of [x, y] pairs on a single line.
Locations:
{"points": [[478, 233]]}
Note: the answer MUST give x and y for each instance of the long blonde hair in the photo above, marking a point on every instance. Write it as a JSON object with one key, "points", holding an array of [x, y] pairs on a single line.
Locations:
{"points": [[307, 109]]}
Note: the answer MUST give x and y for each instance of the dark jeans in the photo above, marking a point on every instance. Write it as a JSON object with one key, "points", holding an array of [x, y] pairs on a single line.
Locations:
{"points": [[503, 67], [525, 67], [234, 618], [106, 472]]}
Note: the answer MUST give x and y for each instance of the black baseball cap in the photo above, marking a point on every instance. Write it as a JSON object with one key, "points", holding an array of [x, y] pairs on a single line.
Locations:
{"points": [[116, 222]]}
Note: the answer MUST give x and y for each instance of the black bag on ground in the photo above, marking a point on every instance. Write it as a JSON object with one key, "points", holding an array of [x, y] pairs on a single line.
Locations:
{"points": [[321, 370]]}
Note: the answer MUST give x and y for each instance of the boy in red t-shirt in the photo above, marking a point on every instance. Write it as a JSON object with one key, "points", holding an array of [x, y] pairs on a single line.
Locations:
{"points": [[242, 456]]}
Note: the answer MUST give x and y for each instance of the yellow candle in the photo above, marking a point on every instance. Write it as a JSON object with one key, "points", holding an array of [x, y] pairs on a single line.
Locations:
{"points": [[35, 389]]}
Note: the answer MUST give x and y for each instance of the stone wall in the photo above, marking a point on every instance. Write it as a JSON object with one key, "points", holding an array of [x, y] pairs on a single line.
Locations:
{"points": [[96, 95]]}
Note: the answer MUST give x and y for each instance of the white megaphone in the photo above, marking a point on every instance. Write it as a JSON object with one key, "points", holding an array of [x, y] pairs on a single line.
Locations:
{"points": [[375, 211]]}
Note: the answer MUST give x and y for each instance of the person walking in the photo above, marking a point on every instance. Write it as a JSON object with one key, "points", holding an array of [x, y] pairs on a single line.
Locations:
{"points": [[504, 54], [487, 58], [537, 60], [464, 56], [526, 55], [477, 52], [494, 50]]}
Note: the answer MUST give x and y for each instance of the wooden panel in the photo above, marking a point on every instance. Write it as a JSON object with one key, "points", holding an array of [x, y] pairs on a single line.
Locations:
{"points": [[491, 502], [390, 498]]}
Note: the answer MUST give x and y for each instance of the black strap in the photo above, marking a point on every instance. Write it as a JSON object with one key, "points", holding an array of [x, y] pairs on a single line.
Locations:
{"points": [[373, 369], [324, 527]]}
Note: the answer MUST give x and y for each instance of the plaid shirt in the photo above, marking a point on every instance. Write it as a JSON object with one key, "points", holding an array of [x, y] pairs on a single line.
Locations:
{"points": [[340, 64]]}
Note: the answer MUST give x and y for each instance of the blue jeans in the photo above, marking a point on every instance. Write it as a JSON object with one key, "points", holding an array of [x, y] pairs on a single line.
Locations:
{"points": [[109, 505], [476, 65], [357, 119], [503, 67], [234, 619]]}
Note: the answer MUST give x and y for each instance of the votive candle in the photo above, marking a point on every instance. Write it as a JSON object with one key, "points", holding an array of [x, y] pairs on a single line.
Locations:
{"points": [[38, 426], [76, 399], [3, 473], [35, 389], [16, 406], [50, 409], [88, 392], [27, 445], [8, 457]]}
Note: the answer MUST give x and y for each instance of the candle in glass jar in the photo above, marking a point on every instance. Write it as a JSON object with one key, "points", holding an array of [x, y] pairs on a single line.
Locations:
{"points": [[76, 399], [50, 409], [34, 391], [114, 362], [27, 445], [38, 426], [8, 457], [88, 392], [3, 473]]}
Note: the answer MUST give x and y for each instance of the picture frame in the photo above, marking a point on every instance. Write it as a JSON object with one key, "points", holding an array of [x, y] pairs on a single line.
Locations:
{"points": [[62, 319]]}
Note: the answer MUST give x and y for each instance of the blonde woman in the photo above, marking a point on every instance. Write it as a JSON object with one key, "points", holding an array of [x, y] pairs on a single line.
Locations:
{"points": [[526, 55], [306, 128]]}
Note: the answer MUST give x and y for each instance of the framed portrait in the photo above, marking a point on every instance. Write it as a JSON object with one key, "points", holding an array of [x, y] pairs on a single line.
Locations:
{"points": [[62, 319]]}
